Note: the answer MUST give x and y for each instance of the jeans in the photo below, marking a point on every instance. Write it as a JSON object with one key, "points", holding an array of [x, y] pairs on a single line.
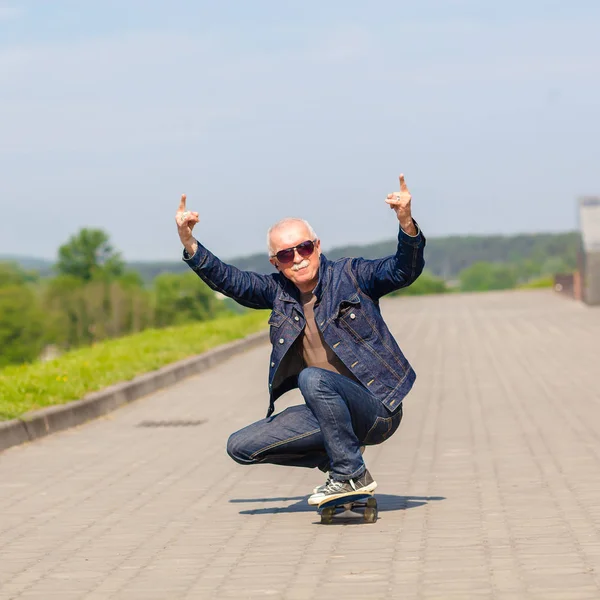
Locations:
{"points": [[339, 416]]}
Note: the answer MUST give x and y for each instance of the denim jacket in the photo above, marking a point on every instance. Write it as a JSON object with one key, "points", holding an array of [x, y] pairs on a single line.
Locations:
{"points": [[346, 311]]}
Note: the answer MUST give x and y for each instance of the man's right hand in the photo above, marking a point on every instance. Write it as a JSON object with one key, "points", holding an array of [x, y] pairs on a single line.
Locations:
{"points": [[185, 224]]}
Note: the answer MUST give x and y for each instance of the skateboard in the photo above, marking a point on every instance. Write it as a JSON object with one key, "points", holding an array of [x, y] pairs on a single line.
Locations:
{"points": [[365, 502]]}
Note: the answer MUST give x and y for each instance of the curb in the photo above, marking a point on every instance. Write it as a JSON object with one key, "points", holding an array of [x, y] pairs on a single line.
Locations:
{"points": [[41, 423]]}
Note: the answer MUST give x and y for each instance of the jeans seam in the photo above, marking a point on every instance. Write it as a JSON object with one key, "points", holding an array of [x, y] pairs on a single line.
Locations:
{"points": [[286, 441], [377, 420]]}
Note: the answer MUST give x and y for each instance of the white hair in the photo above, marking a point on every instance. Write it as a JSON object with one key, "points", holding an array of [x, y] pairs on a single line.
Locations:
{"points": [[284, 222]]}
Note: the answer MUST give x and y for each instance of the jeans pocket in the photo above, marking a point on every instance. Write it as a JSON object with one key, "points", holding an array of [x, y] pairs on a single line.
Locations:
{"points": [[383, 428]]}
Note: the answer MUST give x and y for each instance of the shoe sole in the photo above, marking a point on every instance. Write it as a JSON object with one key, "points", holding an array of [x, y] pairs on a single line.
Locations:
{"points": [[320, 497]]}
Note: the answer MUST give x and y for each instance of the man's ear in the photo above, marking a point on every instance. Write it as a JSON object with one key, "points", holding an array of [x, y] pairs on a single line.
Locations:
{"points": [[274, 263]]}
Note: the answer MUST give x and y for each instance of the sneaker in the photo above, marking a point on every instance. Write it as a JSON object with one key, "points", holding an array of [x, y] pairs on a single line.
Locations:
{"points": [[320, 488], [338, 489]]}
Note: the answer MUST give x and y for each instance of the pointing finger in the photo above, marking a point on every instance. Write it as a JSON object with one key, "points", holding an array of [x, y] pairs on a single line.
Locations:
{"points": [[403, 186], [182, 203]]}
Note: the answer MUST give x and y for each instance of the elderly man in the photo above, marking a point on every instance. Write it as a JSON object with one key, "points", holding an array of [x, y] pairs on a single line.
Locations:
{"points": [[329, 339]]}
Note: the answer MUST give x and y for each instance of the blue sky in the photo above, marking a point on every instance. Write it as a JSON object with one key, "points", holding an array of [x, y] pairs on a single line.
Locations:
{"points": [[259, 110]]}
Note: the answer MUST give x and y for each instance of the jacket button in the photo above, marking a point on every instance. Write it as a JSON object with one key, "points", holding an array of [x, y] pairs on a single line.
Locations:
{"points": [[272, 364], [281, 340], [296, 319], [353, 316]]}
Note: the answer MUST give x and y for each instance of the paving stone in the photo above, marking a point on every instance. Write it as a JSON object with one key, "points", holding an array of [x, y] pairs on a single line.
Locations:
{"points": [[489, 489]]}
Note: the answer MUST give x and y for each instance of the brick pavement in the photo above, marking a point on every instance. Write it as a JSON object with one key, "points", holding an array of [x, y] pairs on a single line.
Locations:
{"points": [[489, 489]]}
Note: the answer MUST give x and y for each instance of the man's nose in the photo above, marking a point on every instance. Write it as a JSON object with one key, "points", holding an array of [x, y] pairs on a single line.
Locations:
{"points": [[297, 258]]}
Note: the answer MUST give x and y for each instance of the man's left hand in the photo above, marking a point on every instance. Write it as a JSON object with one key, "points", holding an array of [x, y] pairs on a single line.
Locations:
{"points": [[400, 202]]}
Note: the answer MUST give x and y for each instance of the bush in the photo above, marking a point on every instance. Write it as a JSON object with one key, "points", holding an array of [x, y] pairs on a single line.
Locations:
{"points": [[484, 276], [540, 282], [427, 283]]}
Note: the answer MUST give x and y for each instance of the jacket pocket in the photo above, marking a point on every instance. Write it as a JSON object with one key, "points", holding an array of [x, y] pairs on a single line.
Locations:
{"points": [[383, 428], [351, 316], [276, 320]]}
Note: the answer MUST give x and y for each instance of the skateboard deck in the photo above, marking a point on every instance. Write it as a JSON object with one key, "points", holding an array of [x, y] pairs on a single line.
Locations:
{"points": [[360, 504]]}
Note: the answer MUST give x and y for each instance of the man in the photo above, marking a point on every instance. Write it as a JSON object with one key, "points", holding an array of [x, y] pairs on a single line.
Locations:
{"points": [[329, 339]]}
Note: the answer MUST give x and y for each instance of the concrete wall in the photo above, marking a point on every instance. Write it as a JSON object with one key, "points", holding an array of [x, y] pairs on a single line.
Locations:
{"points": [[591, 283]]}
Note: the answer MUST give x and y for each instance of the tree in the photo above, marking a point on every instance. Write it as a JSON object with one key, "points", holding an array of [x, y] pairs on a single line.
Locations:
{"points": [[22, 331], [81, 312], [89, 254], [183, 298]]}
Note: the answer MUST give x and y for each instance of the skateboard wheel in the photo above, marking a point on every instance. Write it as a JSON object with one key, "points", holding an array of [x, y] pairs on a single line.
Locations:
{"points": [[327, 515], [370, 514]]}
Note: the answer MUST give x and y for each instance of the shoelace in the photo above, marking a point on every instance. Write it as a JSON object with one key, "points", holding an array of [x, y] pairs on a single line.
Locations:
{"points": [[337, 486]]}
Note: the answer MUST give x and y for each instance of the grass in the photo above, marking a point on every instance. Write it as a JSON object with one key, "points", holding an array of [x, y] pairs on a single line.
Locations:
{"points": [[540, 282], [76, 373]]}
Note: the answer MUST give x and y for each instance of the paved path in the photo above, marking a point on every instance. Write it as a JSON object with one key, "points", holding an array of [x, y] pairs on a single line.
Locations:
{"points": [[490, 488]]}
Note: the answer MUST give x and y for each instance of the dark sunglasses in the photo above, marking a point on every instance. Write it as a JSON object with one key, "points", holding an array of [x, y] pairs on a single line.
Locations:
{"points": [[305, 249]]}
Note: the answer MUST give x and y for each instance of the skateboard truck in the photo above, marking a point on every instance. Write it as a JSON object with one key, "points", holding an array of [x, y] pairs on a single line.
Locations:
{"points": [[350, 505]]}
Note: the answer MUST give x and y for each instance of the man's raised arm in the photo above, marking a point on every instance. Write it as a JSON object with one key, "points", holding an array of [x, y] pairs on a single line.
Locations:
{"points": [[245, 287], [384, 275]]}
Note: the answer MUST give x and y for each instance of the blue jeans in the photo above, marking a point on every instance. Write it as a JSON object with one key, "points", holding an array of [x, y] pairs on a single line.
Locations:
{"points": [[339, 416]]}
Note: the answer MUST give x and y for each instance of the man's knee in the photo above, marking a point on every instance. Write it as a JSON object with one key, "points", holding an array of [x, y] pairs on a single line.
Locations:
{"points": [[238, 450], [310, 382]]}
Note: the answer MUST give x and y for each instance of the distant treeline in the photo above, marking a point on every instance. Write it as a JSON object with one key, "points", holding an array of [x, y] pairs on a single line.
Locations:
{"points": [[532, 254]]}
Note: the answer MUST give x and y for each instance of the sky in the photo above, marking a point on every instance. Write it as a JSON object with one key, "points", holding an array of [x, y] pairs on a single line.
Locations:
{"points": [[109, 110]]}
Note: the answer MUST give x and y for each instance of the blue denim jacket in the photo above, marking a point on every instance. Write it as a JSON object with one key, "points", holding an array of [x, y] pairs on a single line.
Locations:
{"points": [[346, 311]]}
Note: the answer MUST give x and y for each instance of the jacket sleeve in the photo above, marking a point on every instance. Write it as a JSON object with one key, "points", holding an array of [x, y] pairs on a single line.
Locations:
{"points": [[245, 287], [384, 275]]}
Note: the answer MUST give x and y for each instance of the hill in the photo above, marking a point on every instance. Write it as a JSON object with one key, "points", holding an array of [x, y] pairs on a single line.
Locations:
{"points": [[446, 257]]}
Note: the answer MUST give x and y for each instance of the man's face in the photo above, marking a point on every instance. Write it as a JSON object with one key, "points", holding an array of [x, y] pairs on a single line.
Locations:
{"points": [[302, 271]]}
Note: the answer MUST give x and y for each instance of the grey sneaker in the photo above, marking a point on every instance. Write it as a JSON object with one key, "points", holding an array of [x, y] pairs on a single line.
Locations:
{"points": [[319, 489], [337, 489]]}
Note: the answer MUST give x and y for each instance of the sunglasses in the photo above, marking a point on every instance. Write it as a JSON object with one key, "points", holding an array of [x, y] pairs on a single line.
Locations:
{"points": [[305, 249]]}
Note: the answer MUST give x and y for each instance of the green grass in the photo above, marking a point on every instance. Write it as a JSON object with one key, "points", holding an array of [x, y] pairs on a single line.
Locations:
{"points": [[79, 372], [540, 282]]}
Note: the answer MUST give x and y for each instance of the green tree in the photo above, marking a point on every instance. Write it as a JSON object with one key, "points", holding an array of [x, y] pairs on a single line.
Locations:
{"points": [[554, 265], [67, 318], [89, 255], [82, 312], [483, 276], [22, 330], [183, 298]]}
